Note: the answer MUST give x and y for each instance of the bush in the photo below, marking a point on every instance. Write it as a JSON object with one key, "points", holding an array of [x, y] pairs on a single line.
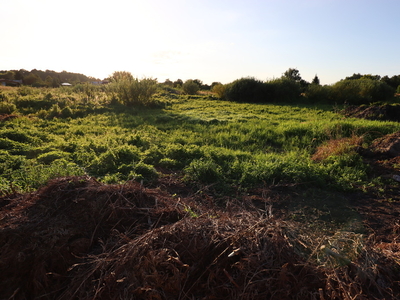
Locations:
{"points": [[190, 87], [361, 91], [219, 90], [132, 91], [246, 90], [318, 93], [283, 90]]}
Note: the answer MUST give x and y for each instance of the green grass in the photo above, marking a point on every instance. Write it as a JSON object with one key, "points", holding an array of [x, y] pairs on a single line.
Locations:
{"points": [[208, 140]]}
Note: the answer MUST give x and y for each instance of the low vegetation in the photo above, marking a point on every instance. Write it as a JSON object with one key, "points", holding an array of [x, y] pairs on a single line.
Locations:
{"points": [[120, 189], [114, 135]]}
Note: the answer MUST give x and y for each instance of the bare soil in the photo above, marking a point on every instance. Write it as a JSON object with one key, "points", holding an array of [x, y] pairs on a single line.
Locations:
{"points": [[385, 112]]}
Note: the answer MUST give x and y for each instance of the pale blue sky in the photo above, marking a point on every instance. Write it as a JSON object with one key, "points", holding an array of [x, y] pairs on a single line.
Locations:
{"points": [[211, 40]]}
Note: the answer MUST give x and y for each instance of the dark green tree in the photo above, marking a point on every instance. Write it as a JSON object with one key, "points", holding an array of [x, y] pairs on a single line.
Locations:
{"points": [[168, 82], [292, 74], [393, 81], [315, 80], [31, 79], [178, 83], [198, 82]]}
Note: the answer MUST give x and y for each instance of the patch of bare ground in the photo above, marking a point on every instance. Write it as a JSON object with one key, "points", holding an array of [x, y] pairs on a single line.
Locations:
{"points": [[385, 112], [78, 239]]}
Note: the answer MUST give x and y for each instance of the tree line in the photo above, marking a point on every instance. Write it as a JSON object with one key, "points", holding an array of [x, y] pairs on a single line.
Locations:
{"points": [[47, 78], [290, 87]]}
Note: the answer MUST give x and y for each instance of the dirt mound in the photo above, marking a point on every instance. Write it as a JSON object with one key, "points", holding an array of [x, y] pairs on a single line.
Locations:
{"points": [[78, 239], [44, 233], [388, 145], [374, 112]]}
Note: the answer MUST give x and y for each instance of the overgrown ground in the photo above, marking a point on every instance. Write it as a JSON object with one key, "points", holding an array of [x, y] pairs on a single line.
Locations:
{"points": [[198, 199]]}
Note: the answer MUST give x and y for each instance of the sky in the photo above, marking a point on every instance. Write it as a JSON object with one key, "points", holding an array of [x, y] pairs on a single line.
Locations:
{"points": [[210, 40]]}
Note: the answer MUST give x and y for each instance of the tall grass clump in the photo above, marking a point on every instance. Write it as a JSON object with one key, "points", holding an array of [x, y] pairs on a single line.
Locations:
{"points": [[133, 91]]}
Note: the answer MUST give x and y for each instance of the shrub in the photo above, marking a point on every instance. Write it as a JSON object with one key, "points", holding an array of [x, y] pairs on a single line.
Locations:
{"points": [[132, 91], [361, 91], [219, 90], [190, 87], [246, 90], [283, 90], [318, 93]]}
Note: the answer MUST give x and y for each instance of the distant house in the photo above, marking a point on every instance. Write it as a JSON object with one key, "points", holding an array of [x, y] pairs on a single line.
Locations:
{"points": [[9, 82], [100, 82], [66, 84]]}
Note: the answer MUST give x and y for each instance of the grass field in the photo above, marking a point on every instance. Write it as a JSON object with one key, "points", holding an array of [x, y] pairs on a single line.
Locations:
{"points": [[143, 192], [60, 132]]}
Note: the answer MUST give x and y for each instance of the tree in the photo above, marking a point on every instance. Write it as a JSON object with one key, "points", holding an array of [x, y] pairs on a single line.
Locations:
{"points": [[370, 76], [178, 83], [31, 79], [365, 76], [393, 81], [18, 75], [121, 75], [315, 80], [168, 82], [49, 81], [198, 82], [292, 74], [215, 83]]}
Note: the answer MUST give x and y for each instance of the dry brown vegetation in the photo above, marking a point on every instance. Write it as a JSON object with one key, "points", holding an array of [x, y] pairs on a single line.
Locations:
{"points": [[336, 147], [78, 239]]}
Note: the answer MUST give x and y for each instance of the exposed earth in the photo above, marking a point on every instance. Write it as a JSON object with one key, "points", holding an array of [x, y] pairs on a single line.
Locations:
{"points": [[385, 112], [76, 238]]}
